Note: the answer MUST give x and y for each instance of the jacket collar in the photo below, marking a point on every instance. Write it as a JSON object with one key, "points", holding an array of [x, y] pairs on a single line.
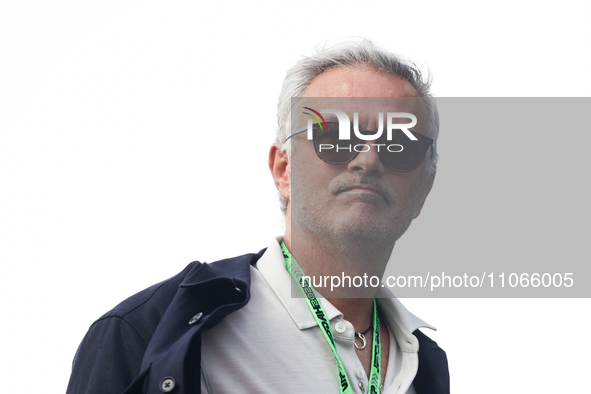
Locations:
{"points": [[236, 268]]}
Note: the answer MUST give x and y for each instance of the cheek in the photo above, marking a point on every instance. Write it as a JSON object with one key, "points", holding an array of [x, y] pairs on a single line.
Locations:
{"points": [[408, 187], [306, 178], [415, 192], [310, 178]]}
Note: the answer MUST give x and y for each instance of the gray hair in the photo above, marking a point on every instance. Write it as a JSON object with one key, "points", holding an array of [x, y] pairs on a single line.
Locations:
{"points": [[360, 52]]}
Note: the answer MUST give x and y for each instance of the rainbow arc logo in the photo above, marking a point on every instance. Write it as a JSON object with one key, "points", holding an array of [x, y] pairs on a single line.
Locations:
{"points": [[315, 118]]}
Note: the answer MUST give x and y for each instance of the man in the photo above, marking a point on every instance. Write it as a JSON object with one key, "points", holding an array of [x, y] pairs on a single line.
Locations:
{"points": [[234, 325]]}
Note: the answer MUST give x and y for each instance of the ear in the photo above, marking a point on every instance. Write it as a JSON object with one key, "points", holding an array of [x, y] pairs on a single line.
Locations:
{"points": [[279, 166], [426, 189]]}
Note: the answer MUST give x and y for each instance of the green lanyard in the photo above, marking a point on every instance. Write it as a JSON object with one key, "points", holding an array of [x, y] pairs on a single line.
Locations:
{"points": [[321, 317]]}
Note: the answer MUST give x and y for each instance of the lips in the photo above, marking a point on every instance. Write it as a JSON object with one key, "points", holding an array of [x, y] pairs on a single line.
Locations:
{"points": [[365, 189], [362, 188]]}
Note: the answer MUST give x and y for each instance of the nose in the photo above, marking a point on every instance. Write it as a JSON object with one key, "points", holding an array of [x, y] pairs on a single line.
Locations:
{"points": [[367, 160]]}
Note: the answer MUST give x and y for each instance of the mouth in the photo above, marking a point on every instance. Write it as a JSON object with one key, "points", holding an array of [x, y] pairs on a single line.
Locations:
{"points": [[364, 190], [361, 189]]}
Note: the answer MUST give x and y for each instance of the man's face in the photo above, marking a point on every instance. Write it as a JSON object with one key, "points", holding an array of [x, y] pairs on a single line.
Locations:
{"points": [[362, 200]]}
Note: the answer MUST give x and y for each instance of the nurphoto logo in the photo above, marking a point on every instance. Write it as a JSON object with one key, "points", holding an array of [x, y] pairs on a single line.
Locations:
{"points": [[343, 132]]}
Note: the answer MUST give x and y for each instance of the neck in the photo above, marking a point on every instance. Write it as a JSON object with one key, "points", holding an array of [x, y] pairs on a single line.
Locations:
{"points": [[329, 263]]}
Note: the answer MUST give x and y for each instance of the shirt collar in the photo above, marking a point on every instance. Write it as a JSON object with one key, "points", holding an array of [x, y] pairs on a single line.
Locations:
{"points": [[272, 267]]}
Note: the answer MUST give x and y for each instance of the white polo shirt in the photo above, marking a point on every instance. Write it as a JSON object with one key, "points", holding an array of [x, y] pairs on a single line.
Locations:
{"points": [[274, 344]]}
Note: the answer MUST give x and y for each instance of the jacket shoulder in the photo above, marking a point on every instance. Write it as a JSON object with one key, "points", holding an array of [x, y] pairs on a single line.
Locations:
{"points": [[143, 310], [110, 355], [433, 373]]}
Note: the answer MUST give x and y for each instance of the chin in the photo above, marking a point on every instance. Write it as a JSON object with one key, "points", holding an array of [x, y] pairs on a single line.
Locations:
{"points": [[364, 231], [376, 230]]}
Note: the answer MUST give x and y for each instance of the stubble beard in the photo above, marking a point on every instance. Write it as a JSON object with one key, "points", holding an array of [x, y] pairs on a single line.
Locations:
{"points": [[362, 238]]}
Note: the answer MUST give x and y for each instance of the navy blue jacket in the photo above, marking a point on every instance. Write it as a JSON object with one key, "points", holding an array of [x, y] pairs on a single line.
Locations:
{"points": [[152, 341]]}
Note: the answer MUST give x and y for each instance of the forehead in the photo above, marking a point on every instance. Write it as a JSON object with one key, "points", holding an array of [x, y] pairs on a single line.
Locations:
{"points": [[358, 82], [362, 90]]}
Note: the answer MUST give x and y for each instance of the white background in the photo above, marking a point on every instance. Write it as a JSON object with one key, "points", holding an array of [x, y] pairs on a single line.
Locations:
{"points": [[134, 140]]}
